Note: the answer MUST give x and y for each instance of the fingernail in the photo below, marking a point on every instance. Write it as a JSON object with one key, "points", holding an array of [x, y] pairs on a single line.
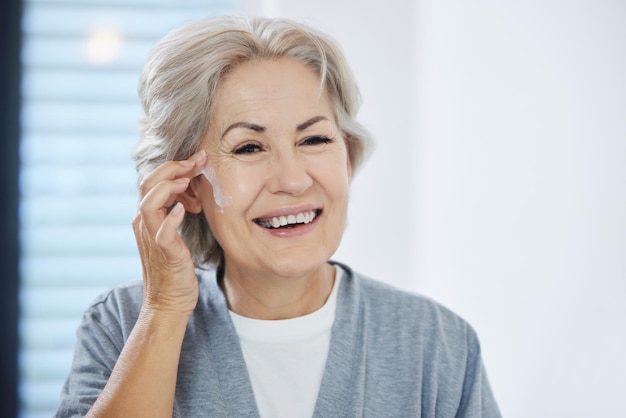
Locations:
{"points": [[187, 163], [178, 208], [183, 180], [198, 156]]}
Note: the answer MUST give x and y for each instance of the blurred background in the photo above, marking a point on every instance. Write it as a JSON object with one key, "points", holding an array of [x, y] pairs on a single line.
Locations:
{"points": [[497, 185]]}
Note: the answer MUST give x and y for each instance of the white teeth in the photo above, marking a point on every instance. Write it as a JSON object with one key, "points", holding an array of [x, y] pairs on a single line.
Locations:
{"points": [[300, 218]]}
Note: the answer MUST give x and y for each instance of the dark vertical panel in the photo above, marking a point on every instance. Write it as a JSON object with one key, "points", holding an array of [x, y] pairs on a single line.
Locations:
{"points": [[10, 40]]}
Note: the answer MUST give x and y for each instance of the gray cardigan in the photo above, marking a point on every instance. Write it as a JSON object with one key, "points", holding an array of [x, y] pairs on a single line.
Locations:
{"points": [[392, 354]]}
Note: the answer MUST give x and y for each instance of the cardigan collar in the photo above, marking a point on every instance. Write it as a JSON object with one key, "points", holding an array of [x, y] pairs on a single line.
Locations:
{"points": [[345, 357]]}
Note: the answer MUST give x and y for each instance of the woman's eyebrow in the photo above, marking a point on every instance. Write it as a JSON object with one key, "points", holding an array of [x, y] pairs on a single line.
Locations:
{"points": [[310, 122], [246, 125], [260, 129]]}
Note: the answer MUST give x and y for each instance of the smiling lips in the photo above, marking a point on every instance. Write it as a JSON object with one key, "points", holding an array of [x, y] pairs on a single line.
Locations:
{"points": [[288, 221]]}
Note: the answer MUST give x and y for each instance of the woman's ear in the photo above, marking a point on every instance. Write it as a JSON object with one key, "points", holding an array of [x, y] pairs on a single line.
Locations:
{"points": [[190, 198]]}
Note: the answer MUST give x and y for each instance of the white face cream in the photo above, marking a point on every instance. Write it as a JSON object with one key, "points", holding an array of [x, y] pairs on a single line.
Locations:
{"points": [[221, 200]]}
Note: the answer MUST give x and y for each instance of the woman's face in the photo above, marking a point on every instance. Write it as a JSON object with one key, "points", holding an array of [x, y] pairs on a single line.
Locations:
{"points": [[275, 191]]}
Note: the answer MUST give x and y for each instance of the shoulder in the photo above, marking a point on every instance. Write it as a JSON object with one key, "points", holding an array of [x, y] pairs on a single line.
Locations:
{"points": [[115, 310], [128, 292], [392, 309], [119, 306], [415, 345]]}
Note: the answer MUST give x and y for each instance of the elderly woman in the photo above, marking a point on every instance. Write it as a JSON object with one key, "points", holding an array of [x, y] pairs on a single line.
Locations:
{"points": [[249, 143]]}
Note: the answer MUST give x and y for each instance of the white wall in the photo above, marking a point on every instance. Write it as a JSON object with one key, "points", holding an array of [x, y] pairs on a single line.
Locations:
{"points": [[521, 191], [498, 186]]}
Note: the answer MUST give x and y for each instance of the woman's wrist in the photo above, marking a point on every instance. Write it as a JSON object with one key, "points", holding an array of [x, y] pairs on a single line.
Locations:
{"points": [[153, 320]]}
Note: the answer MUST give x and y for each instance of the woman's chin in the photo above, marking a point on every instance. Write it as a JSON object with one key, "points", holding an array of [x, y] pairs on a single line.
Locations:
{"points": [[285, 264]]}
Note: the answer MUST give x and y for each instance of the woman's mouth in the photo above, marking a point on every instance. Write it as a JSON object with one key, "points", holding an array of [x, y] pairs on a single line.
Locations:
{"points": [[288, 221]]}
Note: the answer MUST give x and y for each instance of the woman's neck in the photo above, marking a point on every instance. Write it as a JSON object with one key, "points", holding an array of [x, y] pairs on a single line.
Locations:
{"points": [[271, 297]]}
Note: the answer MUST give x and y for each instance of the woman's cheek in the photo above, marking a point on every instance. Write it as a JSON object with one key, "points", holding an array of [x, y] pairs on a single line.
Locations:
{"points": [[330, 163], [240, 183], [222, 199]]}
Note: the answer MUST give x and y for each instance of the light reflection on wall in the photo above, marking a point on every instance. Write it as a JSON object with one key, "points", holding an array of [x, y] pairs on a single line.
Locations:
{"points": [[103, 44]]}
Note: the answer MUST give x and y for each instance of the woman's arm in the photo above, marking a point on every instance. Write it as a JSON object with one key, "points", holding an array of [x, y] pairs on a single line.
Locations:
{"points": [[143, 381]]}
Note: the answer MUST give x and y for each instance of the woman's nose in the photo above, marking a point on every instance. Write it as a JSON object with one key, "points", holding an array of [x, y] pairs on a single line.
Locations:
{"points": [[289, 175]]}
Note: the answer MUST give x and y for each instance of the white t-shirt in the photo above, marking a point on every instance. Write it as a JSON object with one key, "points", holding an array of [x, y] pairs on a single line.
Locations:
{"points": [[286, 358]]}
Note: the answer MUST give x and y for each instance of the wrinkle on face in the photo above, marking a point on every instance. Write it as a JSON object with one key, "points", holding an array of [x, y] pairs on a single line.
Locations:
{"points": [[277, 106]]}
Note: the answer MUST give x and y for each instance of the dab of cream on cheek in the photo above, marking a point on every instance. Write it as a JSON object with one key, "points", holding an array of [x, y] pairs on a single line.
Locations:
{"points": [[221, 200]]}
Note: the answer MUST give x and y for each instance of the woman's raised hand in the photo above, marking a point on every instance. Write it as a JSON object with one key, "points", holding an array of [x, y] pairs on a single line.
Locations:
{"points": [[170, 283], [143, 381]]}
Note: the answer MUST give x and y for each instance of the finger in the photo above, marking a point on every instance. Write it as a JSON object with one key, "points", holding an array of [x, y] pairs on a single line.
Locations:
{"points": [[154, 205], [173, 170], [167, 248], [167, 237], [143, 242]]}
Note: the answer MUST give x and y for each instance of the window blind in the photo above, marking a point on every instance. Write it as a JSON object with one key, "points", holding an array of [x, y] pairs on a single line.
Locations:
{"points": [[81, 60]]}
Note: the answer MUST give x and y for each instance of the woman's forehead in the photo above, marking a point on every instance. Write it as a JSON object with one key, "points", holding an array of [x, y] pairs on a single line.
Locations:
{"points": [[282, 92]]}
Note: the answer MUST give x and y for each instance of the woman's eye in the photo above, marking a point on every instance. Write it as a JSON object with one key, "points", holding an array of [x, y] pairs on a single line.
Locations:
{"points": [[316, 140], [247, 149]]}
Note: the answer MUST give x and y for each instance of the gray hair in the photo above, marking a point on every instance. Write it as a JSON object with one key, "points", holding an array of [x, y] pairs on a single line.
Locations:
{"points": [[180, 79]]}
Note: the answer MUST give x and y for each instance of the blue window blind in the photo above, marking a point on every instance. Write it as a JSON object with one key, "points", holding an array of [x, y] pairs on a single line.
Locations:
{"points": [[81, 60]]}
